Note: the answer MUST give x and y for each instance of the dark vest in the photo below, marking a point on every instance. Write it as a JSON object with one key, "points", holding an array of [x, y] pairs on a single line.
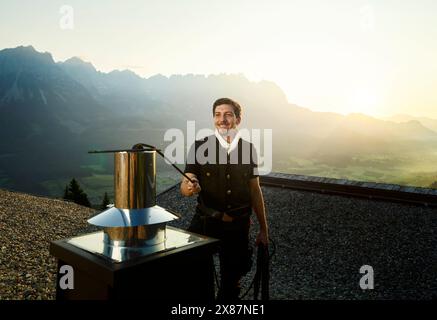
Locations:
{"points": [[225, 183]]}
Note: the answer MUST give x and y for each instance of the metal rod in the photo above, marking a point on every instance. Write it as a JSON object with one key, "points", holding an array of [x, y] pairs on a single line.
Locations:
{"points": [[151, 148], [162, 155], [123, 150], [174, 166]]}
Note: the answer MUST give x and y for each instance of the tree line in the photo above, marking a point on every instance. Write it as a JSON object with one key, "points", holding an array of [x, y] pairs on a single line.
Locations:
{"points": [[73, 192]]}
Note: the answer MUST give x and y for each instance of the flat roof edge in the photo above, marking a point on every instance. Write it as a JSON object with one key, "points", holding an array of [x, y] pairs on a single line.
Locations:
{"points": [[371, 190]]}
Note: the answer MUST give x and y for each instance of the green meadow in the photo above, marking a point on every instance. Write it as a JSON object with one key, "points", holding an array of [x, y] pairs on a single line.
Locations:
{"points": [[97, 184], [421, 172]]}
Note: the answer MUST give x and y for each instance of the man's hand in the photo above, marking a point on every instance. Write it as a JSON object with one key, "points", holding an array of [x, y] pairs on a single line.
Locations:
{"points": [[193, 187], [263, 238], [189, 188]]}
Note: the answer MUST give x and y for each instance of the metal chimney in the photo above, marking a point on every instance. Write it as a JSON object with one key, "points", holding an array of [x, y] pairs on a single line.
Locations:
{"points": [[135, 220], [136, 249]]}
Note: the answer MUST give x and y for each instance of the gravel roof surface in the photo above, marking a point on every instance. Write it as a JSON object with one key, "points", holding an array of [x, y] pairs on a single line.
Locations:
{"points": [[27, 226], [322, 241]]}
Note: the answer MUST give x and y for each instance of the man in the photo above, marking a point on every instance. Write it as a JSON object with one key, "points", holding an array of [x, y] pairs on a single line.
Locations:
{"points": [[228, 189]]}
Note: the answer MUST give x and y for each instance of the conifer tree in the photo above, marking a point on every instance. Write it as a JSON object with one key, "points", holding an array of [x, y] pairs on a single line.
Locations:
{"points": [[105, 202], [66, 195], [75, 193]]}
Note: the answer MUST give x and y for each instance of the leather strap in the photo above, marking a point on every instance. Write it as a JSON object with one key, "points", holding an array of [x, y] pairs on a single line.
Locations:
{"points": [[227, 216]]}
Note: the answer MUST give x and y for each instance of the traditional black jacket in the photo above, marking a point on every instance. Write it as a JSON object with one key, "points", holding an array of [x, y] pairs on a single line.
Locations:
{"points": [[223, 178]]}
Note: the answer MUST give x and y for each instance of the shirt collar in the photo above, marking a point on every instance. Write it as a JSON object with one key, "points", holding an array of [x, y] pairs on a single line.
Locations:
{"points": [[228, 146]]}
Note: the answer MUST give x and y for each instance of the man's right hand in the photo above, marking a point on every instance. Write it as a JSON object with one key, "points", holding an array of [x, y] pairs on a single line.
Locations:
{"points": [[193, 187], [189, 188]]}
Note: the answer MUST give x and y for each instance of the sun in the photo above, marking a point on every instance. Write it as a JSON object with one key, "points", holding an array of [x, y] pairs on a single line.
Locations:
{"points": [[363, 100]]}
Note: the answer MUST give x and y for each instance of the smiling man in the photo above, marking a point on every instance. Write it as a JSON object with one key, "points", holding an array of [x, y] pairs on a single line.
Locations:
{"points": [[227, 189]]}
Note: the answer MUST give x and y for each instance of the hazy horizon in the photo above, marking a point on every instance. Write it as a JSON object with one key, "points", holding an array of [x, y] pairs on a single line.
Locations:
{"points": [[357, 56], [47, 106]]}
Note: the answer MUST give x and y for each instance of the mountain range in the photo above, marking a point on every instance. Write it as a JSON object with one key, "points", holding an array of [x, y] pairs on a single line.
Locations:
{"points": [[52, 113], [426, 122]]}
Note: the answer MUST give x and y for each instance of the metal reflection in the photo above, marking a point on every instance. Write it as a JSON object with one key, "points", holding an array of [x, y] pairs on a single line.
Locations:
{"points": [[97, 243], [135, 220]]}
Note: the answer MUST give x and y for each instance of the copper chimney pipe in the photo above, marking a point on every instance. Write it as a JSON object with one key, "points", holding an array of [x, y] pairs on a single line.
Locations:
{"points": [[135, 179], [135, 220]]}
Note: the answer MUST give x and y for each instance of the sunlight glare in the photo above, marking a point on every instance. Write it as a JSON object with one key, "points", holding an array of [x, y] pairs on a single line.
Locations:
{"points": [[364, 101]]}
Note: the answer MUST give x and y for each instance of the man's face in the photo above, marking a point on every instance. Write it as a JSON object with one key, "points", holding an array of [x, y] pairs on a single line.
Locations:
{"points": [[224, 118]]}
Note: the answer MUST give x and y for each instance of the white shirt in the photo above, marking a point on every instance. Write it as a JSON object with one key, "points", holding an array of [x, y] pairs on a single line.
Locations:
{"points": [[228, 146]]}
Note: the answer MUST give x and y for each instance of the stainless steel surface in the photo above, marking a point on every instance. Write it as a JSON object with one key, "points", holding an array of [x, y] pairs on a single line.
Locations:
{"points": [[135, 179], [140, 236], [95, 243], [115, 217], [135, 221]]}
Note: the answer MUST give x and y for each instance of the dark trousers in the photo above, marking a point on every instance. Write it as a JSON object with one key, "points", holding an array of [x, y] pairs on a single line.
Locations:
{"points": [[234, 253]]}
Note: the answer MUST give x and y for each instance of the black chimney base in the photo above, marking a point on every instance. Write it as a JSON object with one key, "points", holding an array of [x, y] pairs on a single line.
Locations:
{"points": [[181, 274]]}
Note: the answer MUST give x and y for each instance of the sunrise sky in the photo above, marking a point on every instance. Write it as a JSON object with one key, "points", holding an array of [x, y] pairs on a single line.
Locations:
{"points": [[374, 57]]}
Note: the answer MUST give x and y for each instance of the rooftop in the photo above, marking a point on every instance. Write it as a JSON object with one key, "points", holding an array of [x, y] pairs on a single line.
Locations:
{"points": [[323, 237]]}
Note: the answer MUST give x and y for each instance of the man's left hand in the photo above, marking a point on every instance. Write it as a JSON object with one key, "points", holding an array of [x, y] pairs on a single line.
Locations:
{"points": [[263, 238]]}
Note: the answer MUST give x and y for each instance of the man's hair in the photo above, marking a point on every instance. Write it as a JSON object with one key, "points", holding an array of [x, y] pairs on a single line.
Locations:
{"points": [[235, 105]]}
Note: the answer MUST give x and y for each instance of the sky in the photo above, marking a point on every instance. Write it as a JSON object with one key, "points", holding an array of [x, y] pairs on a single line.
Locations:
{"points": [[374, 57]]}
